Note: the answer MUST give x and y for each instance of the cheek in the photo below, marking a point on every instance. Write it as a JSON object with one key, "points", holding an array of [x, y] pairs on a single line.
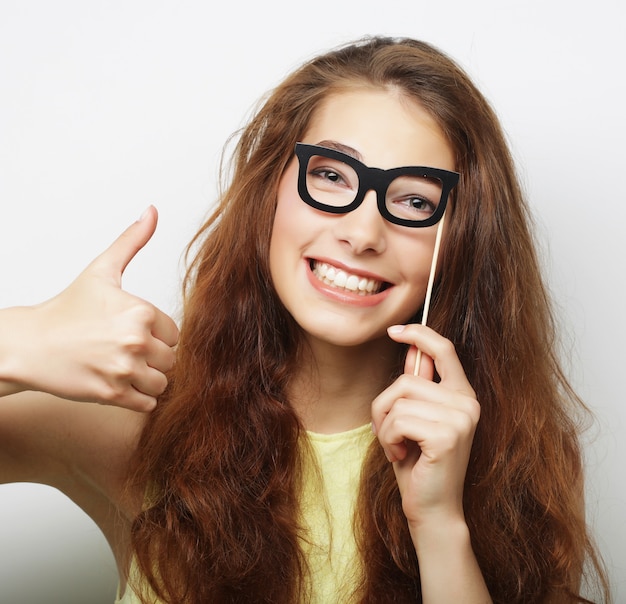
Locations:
{"points": [[414, 256], [293, 217], [279, 246], [287, 220]]}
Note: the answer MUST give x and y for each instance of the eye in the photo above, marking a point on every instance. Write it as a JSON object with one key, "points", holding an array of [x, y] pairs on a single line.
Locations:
{"points": [[331, 175], [413, 197], [419, 204], [327, 174], [412, 207]]}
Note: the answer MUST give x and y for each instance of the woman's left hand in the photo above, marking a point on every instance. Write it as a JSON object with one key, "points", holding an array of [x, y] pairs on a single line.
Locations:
{"points": [[426, 428]]}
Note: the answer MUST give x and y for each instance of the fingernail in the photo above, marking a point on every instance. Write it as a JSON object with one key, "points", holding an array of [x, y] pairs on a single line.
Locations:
{"points": [[396, 329], [145, 213]]}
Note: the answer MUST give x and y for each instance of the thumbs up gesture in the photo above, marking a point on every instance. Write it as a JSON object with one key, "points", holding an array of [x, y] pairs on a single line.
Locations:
{"points": [[96, 342]]}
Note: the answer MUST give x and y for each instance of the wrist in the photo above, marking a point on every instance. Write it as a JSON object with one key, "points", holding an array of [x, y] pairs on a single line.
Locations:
{"points": [[449, 571], [13, 353], [440, 531]]}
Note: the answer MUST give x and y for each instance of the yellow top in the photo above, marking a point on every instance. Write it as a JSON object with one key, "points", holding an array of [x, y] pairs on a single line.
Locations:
{"points": [[329, 493]]}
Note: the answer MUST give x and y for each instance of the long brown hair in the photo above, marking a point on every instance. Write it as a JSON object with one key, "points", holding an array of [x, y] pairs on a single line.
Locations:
{"points": [[221, 451]]}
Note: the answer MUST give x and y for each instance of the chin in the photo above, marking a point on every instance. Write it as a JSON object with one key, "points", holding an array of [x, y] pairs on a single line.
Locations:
{"points": [[344, 336]]}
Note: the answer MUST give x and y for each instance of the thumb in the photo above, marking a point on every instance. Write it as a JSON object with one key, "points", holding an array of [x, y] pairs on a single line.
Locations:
{"points": [[114, 260]]}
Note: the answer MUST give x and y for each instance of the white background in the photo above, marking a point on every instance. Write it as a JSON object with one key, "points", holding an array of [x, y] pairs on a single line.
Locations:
{"points": [[108, 106]]}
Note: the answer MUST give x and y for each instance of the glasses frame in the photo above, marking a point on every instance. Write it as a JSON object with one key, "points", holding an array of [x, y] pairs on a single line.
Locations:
{"points": [[373, 179]]}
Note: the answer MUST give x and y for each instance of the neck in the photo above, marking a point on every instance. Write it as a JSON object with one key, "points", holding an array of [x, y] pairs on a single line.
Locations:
{"points": [[334, 387]]}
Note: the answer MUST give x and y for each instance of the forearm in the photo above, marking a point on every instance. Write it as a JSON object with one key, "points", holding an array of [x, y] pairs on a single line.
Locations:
{"points": [[449, 571], [13, 355]]}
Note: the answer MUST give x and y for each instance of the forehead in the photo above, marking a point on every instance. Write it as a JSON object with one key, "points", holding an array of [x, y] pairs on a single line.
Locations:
{"points": [[384, 127]]}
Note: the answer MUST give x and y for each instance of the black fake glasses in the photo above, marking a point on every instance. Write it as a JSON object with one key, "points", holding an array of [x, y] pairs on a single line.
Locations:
{"points": [[335, 182]]}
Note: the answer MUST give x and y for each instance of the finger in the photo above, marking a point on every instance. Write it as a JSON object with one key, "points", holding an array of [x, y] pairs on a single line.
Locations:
{"points": [[417, 390], [430, 425], [150, 382], [160, 356], [129, 398], [440, 349], [394, 442], [165, 329], [426, 364], [114, 260], [138, 401], [424, 398]]}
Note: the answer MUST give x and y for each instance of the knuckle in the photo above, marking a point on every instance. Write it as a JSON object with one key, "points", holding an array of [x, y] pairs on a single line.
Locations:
{"points": [[397, 423], [145, 313], [474, 409], [446, 348], [123, 371], [466, 417], [449, 439], [161, 385], [466, 423], [174, 332], [404, 382], [403, 407], [471, 409], [135, 344], [169, 361], [113, 393], [376, 406]]}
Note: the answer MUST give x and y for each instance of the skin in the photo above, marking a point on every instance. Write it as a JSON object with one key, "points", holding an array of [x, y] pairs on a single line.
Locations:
{"points": [[385, 131], [425, 429], [119, 357], [346, 333], [93, 343]]}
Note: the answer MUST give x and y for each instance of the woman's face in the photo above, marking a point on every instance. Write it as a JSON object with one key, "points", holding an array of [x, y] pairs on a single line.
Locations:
{"points": [[382, 130]]}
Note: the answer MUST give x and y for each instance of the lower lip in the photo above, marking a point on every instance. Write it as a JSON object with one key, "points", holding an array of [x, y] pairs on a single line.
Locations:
{"points": [[343, 295]]}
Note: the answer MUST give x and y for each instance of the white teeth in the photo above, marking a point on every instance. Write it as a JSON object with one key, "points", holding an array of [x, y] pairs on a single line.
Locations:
{"points": [[340, 279], [352, 283]]}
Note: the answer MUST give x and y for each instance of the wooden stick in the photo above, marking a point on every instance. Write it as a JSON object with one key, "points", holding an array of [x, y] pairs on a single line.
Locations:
{"points": [[429, 288]]}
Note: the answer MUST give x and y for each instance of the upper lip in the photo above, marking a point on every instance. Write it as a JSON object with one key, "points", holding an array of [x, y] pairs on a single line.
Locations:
{"points": [[351, 270]]}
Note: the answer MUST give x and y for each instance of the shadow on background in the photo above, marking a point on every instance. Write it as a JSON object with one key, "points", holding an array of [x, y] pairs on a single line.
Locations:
{"points": [[67, 561]]}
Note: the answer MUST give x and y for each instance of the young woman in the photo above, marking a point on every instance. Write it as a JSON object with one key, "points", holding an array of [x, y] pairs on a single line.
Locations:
{"points": [[304, 437]]}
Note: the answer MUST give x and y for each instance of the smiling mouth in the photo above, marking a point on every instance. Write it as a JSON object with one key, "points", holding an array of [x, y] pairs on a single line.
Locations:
{"points": [[340, 279]]}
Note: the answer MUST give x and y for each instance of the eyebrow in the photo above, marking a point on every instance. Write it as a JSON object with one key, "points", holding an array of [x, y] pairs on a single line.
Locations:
{"points": [[330, 144]]}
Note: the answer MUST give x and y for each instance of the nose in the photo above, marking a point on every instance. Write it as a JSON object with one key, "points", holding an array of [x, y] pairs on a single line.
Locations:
{"points": [[363, 229]]}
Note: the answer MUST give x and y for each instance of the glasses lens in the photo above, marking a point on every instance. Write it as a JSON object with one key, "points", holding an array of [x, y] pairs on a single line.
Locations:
{"points": [[331, 181], [414, 198]]}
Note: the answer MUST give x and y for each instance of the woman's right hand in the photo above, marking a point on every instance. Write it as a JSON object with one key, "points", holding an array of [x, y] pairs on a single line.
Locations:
{"points": [[93, 341]]}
